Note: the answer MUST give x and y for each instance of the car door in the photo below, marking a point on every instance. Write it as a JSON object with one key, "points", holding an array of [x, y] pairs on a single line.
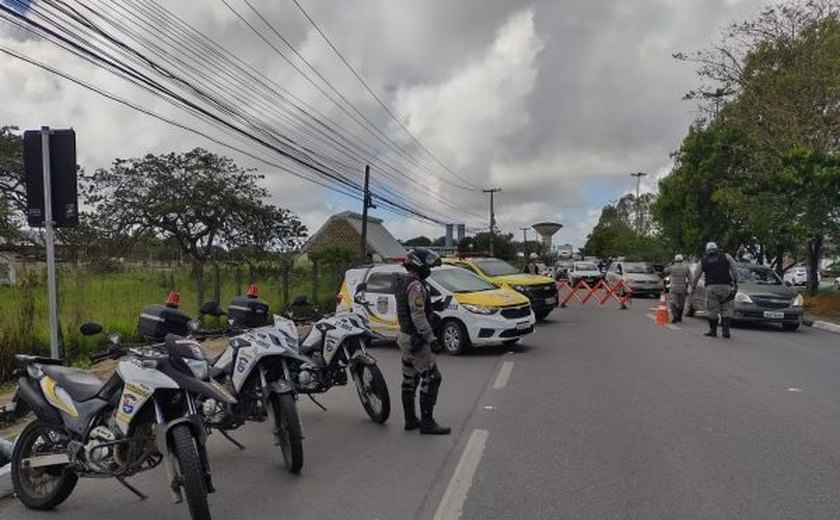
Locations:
{"points": [[380, 301]]}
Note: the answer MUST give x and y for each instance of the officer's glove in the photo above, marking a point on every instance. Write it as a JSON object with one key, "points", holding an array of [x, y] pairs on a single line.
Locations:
{"points": [[436, 346]]}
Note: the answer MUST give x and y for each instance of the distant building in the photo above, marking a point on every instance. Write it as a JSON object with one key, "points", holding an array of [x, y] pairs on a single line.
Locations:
{"points": [[345, 230]]}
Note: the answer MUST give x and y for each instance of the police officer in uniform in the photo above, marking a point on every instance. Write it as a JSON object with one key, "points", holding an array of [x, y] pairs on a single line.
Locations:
{"points": [[417, 342], [531, 267], [678, 289], [721, 287]]}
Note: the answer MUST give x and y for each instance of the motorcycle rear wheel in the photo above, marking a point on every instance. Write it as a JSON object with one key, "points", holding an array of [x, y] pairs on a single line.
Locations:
{"points": [[373, 393], [287, 430], [189, 463], [41, 488]]}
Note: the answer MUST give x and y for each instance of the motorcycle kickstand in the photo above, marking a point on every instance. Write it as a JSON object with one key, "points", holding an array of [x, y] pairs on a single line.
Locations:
{"points": [[322, 407], [232, 440], [131, 488]]}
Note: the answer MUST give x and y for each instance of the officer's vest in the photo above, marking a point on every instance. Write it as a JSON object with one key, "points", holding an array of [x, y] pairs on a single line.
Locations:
{"points": [[716, 268], [403, 308]]}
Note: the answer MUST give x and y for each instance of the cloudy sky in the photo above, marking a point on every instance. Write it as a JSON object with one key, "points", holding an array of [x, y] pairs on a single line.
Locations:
{"points": [[555, 102]]}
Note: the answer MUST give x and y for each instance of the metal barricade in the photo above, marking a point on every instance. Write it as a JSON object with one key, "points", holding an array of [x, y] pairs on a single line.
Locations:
{"points": [[600, 292]]}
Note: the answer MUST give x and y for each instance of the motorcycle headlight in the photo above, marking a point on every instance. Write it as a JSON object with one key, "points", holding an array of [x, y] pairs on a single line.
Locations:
{"points": [[480, 309], [743, 298], [799, 301]]}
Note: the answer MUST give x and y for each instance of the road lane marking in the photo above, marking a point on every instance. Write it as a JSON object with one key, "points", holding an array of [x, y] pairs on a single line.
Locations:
{"points": [[452, 504], [504, 375], [794, 389]]}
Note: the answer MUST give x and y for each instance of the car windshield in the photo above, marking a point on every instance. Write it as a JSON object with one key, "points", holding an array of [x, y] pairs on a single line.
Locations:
{"points": [[461, 281], [585, 266], [639, 268], [495, 267], [758, 275]]}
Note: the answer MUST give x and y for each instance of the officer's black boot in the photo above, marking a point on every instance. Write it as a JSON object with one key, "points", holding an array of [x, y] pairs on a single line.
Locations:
{"points": [[712, 328], [428, 426], [724, 325], [411, 420]]}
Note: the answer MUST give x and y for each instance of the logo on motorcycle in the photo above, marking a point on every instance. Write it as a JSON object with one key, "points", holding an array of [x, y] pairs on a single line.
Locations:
{"points": [[242, 364], [382, 305], [128, 403]]}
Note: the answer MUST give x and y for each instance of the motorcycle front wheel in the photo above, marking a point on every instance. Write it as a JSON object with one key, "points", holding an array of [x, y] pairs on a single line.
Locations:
{"points": [[373, 392], [186, 455], [287, 430], [46, 487]]}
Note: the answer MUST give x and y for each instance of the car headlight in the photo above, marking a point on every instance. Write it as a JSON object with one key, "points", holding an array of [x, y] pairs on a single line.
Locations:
{"points": [[743, 298], [519, 288], [480, 309], [799, 301]]}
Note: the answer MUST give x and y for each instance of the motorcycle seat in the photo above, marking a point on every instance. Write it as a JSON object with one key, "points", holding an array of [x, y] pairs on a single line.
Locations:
{"points": [[80, 385]]}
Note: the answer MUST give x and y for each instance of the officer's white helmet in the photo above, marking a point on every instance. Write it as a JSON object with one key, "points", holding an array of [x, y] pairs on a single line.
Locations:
{"points": [[711, 247], [678, 258], [533, 256]]}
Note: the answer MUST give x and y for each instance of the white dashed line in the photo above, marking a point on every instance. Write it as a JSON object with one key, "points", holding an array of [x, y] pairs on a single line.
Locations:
{"points": [[452, 505], [794, 389], [504, 375]]}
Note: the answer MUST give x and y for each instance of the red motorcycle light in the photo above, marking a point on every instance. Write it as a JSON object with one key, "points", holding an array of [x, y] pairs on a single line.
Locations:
{"points": [[253, 291], [173, 299]]}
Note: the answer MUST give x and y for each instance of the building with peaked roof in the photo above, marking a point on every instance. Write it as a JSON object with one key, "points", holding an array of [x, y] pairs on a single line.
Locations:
{"points": [[345, 230]]}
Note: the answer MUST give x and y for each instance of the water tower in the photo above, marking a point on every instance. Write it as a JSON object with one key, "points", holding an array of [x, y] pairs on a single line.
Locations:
{"points": [[547, 230]]}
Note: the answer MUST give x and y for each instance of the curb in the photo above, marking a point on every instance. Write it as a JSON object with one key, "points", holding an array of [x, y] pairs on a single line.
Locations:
{"points": [[828, 326]]}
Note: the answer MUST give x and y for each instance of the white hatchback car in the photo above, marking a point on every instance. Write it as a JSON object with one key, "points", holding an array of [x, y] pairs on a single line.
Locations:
{"points": [[798, 275], [472, 311]]}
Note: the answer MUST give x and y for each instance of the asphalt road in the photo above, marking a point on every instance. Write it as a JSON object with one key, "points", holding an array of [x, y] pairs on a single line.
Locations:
{"points": [[598, 415]]}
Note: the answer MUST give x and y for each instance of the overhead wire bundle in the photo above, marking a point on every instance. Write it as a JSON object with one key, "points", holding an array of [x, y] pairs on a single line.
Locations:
{"points": [[154, 50]]}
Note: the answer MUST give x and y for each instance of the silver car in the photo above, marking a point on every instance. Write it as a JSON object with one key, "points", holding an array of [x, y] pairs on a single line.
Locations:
{"points": [[761, 297], [641, 277]]}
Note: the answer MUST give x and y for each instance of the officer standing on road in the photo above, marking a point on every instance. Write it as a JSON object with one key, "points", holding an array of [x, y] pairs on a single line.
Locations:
{"points": [[678, 289], [417, 342], [531, 267], [721, 287]]}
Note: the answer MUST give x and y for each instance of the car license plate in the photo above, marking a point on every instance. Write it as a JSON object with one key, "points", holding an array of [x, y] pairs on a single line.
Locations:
{"points": [[774, 315], [550, 301], [523, 325]]}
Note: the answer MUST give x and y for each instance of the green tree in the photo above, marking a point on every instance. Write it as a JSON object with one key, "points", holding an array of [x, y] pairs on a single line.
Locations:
{"points": [[198, 199], [421, 241], [12, 188], [503, 246]]}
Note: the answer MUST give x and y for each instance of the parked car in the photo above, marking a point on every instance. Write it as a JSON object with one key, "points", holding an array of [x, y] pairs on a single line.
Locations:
{"points": [[761, 297], [586, 271], [798, 275], [540, 290], [641, 277], [474, 311]]}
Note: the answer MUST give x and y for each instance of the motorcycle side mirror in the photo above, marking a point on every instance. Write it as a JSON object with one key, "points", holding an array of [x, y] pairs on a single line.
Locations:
{"points": [[210, 308], [299, 300], [90, 329], [194, 325]]}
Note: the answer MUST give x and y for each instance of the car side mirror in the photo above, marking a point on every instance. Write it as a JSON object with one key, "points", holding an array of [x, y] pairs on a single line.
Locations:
{"points": [[359, 298], [787, 282]]}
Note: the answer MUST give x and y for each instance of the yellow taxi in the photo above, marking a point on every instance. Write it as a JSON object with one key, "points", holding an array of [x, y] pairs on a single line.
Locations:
{"points": [[541, 291]]}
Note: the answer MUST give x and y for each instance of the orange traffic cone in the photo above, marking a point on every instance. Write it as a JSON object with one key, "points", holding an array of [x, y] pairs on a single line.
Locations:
{"points": [[662, 312]]}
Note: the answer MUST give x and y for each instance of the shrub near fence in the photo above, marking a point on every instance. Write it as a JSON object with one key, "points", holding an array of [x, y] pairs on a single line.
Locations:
{"points": [[115, 299]]}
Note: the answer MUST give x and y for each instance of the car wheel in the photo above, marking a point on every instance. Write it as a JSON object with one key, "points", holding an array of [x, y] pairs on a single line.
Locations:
{"points": [[454, 338]]}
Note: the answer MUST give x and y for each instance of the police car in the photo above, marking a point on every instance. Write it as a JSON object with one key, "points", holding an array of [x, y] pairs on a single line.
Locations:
{"points": [[473, 311]]}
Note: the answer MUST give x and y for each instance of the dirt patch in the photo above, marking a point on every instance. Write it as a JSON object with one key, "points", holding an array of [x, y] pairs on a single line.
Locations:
{"points": [[825, 307]]}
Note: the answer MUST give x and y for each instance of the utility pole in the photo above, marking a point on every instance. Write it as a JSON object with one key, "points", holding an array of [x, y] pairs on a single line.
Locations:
{"points": [[524, 240], [492, 191], [638, 176], [367, 202]]}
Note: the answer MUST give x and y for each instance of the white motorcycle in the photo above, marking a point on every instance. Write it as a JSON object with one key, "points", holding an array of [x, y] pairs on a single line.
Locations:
{"points": [[335, 344], [143, 415], [257, 367]]}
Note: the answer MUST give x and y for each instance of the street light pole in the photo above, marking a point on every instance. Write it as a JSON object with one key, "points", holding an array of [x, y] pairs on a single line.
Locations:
{"points": [[638, 176]]}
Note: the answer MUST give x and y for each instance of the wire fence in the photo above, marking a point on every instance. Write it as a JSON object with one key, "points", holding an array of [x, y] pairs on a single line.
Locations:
{"points": [[113, 293]]}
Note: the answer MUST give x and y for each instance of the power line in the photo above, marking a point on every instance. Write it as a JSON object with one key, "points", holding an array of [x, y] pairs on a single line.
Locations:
{"points": [[375, 96]]}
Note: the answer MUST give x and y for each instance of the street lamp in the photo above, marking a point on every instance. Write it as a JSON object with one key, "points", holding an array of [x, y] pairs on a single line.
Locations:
{"points": [[638, 176]]}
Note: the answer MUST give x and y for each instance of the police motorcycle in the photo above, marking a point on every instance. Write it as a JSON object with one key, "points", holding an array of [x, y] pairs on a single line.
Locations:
{"points": [[257, 367], [337, 344], [144, 415]]}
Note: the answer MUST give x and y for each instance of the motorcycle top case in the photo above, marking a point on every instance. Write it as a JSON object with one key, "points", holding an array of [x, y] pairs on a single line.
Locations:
{"points": [[156, 321], [249, 312]]}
